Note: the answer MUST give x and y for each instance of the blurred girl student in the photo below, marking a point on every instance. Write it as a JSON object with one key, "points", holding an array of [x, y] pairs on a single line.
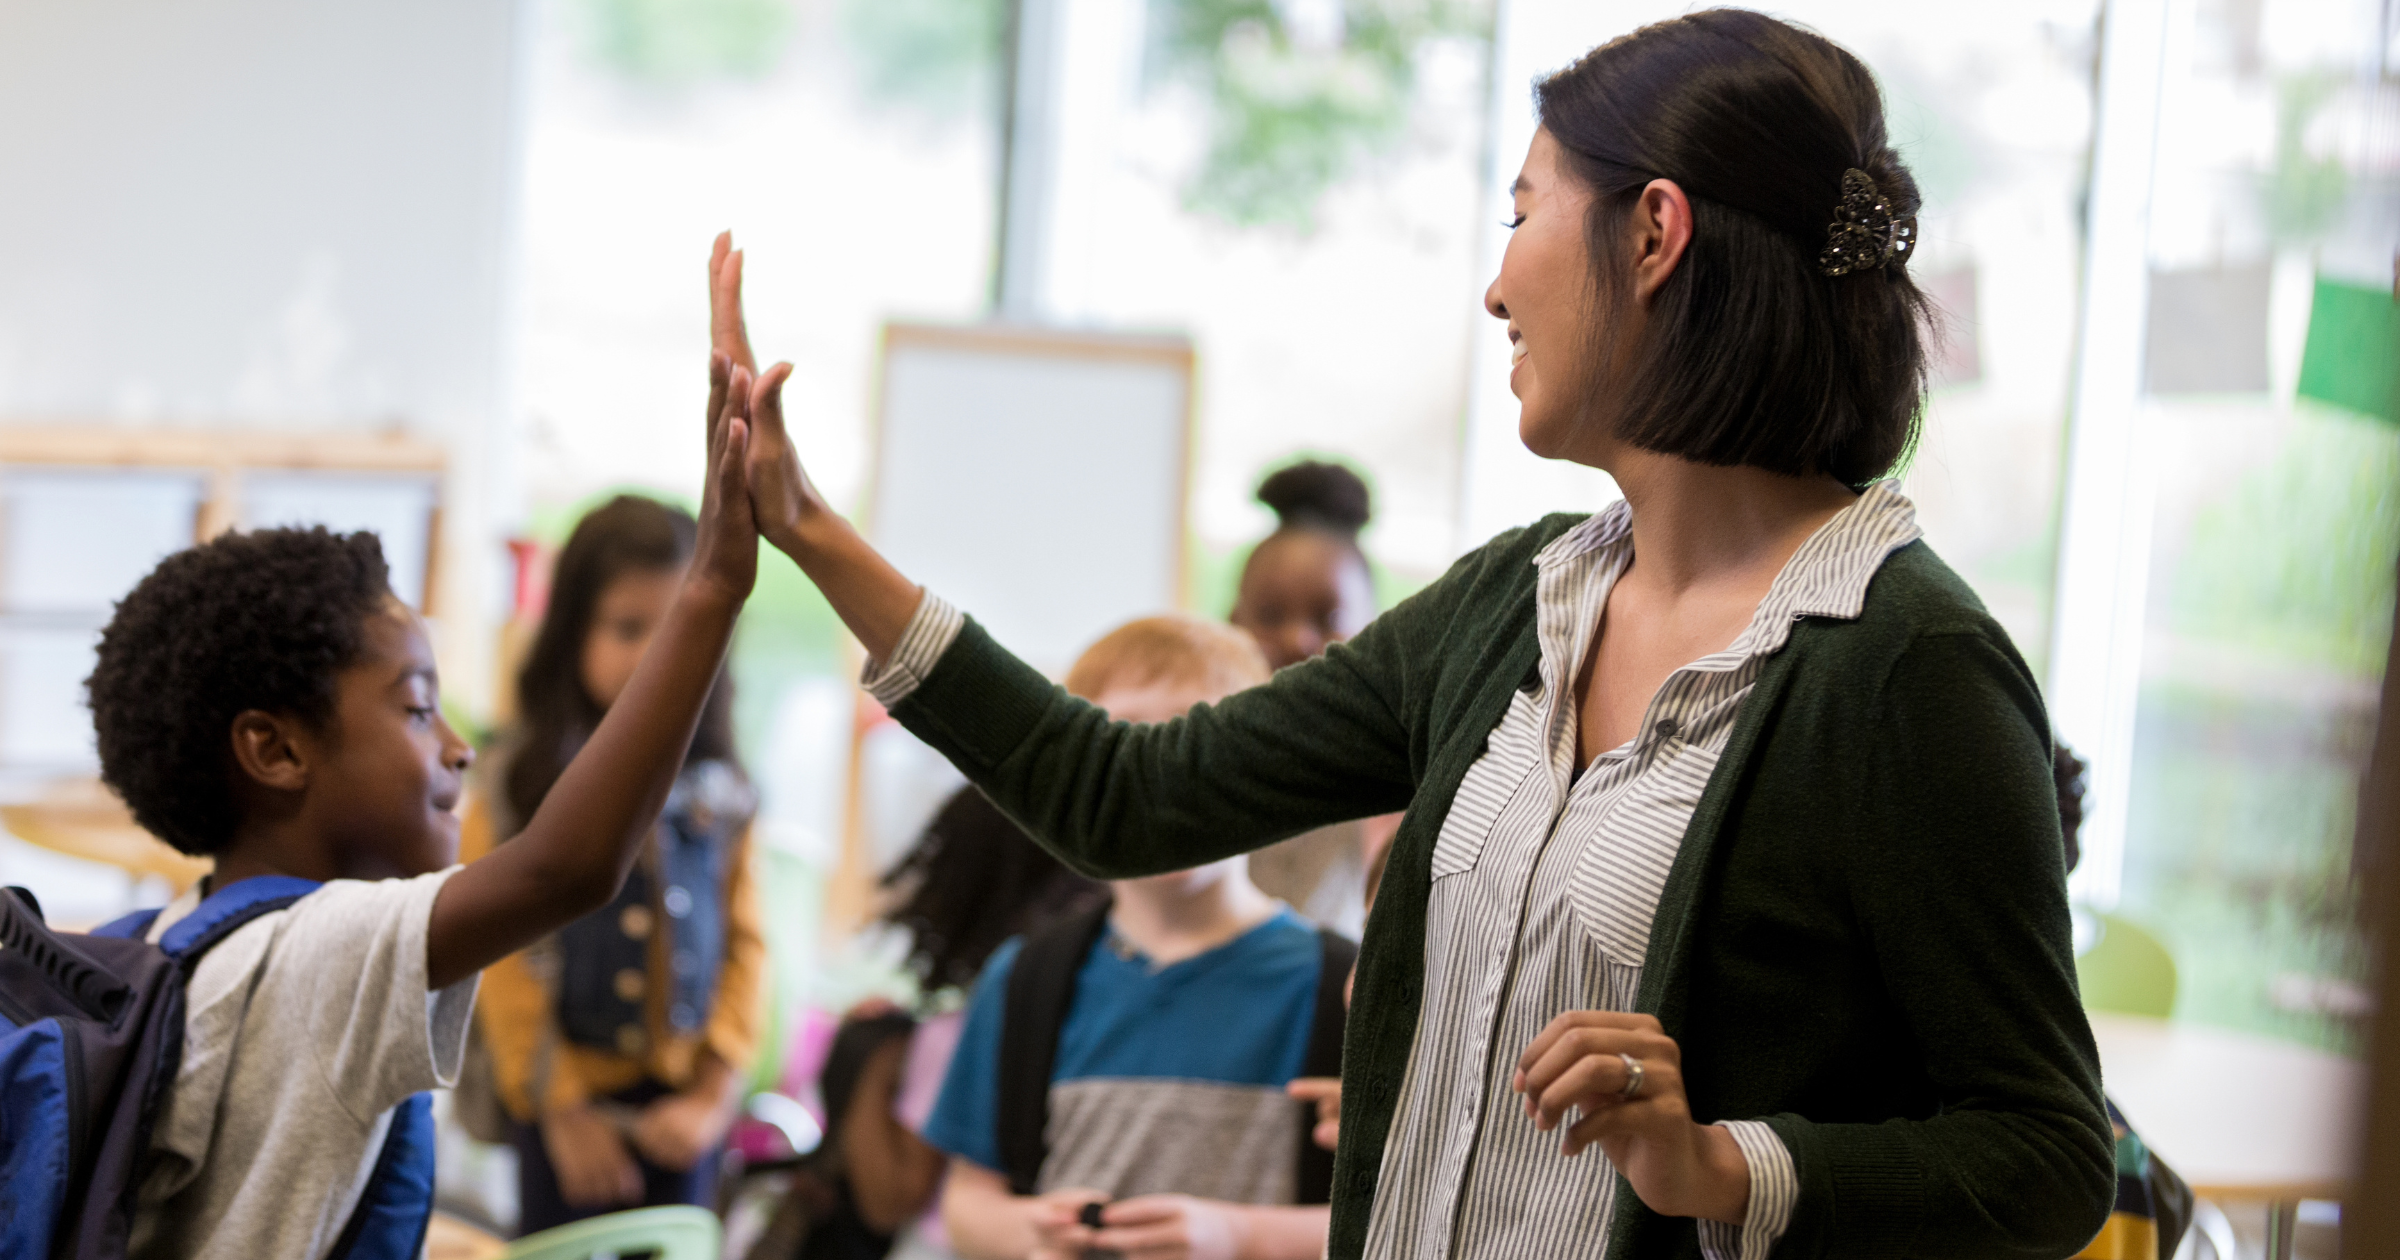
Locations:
{"points": [[973, 881], [619, 1044], [1304, 588]]}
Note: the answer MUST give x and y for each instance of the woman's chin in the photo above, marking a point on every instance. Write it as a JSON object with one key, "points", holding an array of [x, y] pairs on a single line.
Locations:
{"points": [[1542, 435]]}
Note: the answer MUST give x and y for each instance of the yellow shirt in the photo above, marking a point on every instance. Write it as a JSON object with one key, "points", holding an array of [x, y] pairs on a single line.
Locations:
{"points": [[515, 1012]]}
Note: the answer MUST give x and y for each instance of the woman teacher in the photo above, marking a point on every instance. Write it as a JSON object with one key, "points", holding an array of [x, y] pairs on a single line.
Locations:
{"points": [[1731, 849]]}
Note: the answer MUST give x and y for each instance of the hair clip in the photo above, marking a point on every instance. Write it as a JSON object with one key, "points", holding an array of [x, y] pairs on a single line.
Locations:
{"points": [[1864, 233]]}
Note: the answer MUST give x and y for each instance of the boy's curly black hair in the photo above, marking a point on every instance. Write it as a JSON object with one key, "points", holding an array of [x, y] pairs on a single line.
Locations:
{"points": [[261, 620]]}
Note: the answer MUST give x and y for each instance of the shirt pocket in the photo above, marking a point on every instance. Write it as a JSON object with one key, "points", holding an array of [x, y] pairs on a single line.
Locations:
{"points": [[1621, 872], [1510, 758]]}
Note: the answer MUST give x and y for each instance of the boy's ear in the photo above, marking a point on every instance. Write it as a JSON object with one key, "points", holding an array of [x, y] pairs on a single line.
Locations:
{"points": [[268, 749]]}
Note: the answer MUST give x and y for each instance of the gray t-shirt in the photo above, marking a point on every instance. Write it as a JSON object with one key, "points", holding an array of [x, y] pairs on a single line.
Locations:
{"points": [[303, 1031]]}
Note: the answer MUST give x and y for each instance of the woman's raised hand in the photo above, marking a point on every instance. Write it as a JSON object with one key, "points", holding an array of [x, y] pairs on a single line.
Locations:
{"points": [[728, 332], [871, 596], [1679, 1168]]}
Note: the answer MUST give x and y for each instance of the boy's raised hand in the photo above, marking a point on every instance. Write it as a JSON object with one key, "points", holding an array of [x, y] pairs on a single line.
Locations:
{"points": [[726, 552], [573, 854]]}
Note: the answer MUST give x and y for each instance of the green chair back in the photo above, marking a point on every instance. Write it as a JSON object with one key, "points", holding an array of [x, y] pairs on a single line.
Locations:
{"points": [[670, 1233], [2127, 970]]}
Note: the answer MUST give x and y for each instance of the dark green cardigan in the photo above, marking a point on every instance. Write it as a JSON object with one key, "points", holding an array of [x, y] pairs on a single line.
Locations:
{"points": [[1863, 941]]}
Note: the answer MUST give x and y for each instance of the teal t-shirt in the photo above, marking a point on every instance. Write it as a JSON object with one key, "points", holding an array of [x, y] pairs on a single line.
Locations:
{"points": [[1168, 1079]]}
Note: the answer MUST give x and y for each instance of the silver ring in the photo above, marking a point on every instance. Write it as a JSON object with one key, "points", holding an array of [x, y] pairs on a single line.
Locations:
{"points": [[1633, 1078]]}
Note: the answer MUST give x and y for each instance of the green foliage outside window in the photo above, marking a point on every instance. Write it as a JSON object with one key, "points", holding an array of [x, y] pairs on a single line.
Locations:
{"points": [[676, 43], [2296, 564], [1290, 118], [937, 57]]}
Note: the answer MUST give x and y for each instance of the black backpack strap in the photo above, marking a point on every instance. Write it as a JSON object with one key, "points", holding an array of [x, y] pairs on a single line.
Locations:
{"points": [[1337, 954], [1041, 988]]}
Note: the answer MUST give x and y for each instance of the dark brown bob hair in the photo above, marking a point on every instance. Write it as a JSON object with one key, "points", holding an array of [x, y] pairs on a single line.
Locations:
{"points": [[1756, 357]]}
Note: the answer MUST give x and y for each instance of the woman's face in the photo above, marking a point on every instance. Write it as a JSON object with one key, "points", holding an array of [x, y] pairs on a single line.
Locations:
{"points": [[629, 611], [1544, 292], [1300, 591]]}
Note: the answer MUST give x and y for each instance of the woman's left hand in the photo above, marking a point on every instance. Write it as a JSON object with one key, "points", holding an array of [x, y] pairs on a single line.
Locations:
{"points": [[1679, 1168]]}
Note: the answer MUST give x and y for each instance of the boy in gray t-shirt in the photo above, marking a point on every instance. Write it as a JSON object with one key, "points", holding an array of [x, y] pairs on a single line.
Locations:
{"points": [[265, 700]]}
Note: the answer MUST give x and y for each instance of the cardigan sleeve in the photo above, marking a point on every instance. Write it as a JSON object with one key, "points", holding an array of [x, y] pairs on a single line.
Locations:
{"points": [[1324, 741], [1959, 891]]}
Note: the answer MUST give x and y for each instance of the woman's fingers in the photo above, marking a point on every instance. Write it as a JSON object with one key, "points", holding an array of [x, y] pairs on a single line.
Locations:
{"points": [[727, 330], [1591, 1082], [1600, 1124], [1541, 1071]]}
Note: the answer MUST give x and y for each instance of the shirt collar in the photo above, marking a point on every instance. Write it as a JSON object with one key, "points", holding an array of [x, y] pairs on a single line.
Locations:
{"points": [[1827, 577]]}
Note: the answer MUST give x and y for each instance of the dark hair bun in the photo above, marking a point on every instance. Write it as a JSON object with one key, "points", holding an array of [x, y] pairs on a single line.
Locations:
{"points": [[1313, 494]]}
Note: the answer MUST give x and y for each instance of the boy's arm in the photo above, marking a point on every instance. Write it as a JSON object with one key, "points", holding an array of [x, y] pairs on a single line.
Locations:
{"points": [[986, 1222], [1180, 1226], [575, 851]]}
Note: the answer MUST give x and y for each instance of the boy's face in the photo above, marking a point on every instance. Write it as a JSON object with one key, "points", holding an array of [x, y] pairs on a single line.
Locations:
{"points": [[386, 775]]}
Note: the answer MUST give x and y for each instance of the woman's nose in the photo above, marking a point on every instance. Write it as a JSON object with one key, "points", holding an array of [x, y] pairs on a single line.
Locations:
{"points": [[1492, 302]]}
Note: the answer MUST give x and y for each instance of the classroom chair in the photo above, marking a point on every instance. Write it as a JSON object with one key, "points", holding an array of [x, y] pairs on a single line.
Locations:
{"points": [[669, 1233], [2127, 970]]}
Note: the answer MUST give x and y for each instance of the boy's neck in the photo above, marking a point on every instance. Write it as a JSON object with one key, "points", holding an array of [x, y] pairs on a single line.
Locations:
{"points": [[282, 847], [1171, 922]]}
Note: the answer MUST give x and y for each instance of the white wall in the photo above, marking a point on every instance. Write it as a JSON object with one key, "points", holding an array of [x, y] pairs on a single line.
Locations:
{"points": [[273, 213]]}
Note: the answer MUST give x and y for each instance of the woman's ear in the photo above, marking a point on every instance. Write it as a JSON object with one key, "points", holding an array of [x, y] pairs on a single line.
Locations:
{"points": [[1662, 230], [270, 750]]}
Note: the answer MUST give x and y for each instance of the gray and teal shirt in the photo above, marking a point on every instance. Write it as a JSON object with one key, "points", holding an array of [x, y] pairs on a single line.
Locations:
{"points": [[1168, 1080]]}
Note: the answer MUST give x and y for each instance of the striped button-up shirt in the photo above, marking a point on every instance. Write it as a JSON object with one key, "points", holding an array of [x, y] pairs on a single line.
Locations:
{"points": [[1544, 885]]}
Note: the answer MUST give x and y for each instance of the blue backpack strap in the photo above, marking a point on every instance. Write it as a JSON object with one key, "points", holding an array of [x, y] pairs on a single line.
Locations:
{"points": [[132, 927], [397, 1203], [222, 912]]}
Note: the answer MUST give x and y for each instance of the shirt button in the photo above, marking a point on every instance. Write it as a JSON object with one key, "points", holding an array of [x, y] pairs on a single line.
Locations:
{"points": [[679, 901], [630, 984], [1666, 728], [630, 1039], [635, 922]]}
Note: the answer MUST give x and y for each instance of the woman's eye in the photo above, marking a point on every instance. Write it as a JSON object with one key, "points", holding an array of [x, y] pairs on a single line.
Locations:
{"points": [[1513, 222], [420, 713]]}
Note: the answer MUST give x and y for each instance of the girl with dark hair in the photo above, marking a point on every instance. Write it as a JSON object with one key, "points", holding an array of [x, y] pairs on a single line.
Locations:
{"points": [[1727, 917], [1306, 585], [1304, 588], [618, 1047]]}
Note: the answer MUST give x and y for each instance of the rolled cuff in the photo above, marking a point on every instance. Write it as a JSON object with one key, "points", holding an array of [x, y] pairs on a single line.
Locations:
{"points": [[931, 631], [1774, 1187]]}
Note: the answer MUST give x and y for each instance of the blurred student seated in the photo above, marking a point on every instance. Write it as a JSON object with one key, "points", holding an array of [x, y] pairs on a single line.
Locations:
{"points": [[972, 881], [1119, 1084], [618, 1046]]}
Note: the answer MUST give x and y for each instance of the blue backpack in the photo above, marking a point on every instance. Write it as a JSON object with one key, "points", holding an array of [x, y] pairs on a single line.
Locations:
{"points": [[91, 1033]]}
